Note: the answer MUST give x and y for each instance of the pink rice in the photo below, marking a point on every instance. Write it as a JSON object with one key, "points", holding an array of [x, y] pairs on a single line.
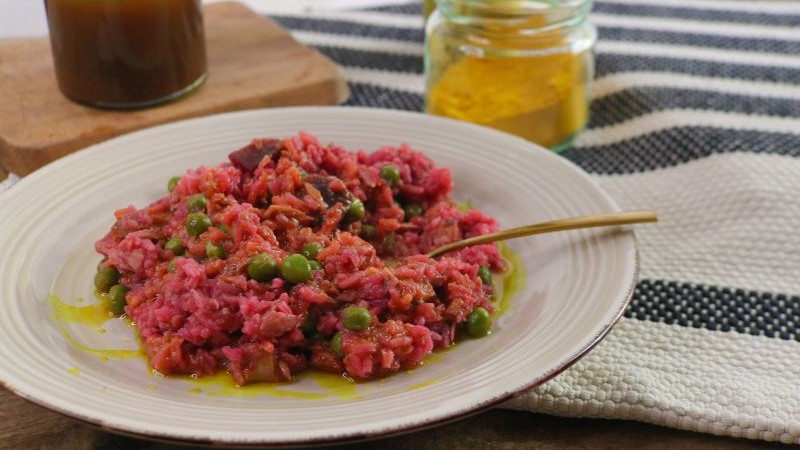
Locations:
{"points": [[206, 315]]}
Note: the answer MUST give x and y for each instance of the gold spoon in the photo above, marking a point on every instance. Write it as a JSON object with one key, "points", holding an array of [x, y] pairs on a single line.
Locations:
{"points": [[594, 220]]}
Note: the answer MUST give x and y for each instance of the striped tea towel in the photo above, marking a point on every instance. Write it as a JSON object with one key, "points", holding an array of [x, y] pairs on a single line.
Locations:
{"points": [[695, 114]]}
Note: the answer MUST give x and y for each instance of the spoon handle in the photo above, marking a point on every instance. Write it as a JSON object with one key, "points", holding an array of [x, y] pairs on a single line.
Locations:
{"points": [[594, 220]]}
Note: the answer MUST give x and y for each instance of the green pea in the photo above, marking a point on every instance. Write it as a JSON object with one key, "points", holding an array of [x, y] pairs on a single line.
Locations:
{"points": [[196, 203], [262, 268], [336, 344], [175, 245], [172, 183], [315, 265], [311, 250], [367, 231], [116, 299], [197, 224], [214, 251], [485, 275], [413, 210], [355, 211], [356, 318], [479, 323], [391, 174], [296, 269], [105, 278], [171, 266], [102, 263], [303, 175], [224, 229]]}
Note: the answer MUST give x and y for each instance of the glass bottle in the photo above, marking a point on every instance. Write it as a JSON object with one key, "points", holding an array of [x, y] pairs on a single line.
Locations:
{"points": [[127, 53], [521, 66]]}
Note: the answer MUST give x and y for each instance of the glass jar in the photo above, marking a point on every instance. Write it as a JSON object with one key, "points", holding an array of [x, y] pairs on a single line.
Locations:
{"points": [[127, 53], [520, 66]]}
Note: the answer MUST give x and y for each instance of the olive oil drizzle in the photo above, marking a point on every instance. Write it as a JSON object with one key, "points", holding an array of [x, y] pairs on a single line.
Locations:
{"points": [[511, 282], [94, 316]]}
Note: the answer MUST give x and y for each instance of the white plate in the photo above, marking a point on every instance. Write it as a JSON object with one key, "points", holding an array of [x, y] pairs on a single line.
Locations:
{"points": [[577, 283]]}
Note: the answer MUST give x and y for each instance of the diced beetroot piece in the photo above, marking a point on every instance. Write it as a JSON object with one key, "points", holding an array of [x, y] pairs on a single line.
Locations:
{"points": [[331, 188], [249, 157]]}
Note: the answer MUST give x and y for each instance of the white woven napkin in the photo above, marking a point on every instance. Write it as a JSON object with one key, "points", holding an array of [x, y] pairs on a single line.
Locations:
{"points": [[726, 220]]}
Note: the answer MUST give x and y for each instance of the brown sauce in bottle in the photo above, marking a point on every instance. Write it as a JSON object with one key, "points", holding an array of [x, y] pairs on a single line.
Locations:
{"points": [[127, 53]]}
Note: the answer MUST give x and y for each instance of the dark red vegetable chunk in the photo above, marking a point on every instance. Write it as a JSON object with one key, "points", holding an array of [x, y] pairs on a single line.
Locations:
{"points": [[331, 188], [249, 157]]}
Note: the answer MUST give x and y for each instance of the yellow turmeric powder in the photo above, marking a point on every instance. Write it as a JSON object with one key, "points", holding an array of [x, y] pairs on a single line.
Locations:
{"points": [[541, 99]]}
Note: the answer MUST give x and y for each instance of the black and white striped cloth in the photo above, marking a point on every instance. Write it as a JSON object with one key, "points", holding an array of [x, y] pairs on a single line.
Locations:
{"points": [[695, 114]]}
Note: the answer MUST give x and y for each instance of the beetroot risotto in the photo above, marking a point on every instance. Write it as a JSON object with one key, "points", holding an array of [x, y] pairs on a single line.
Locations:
{"points": [[298, 255]]}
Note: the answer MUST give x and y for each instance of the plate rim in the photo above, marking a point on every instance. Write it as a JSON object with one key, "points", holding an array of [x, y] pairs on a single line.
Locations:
{"points": [[384, 432]]}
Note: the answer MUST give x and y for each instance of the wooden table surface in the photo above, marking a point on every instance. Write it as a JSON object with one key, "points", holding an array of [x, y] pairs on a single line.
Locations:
{"points": [[27, 426]]}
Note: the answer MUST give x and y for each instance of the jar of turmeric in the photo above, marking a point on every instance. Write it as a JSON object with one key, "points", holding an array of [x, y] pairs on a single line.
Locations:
{"points": [[520, 66]]}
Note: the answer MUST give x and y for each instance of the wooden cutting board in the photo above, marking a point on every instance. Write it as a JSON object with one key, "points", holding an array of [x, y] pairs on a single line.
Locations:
{"points": [[252, 63]]}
